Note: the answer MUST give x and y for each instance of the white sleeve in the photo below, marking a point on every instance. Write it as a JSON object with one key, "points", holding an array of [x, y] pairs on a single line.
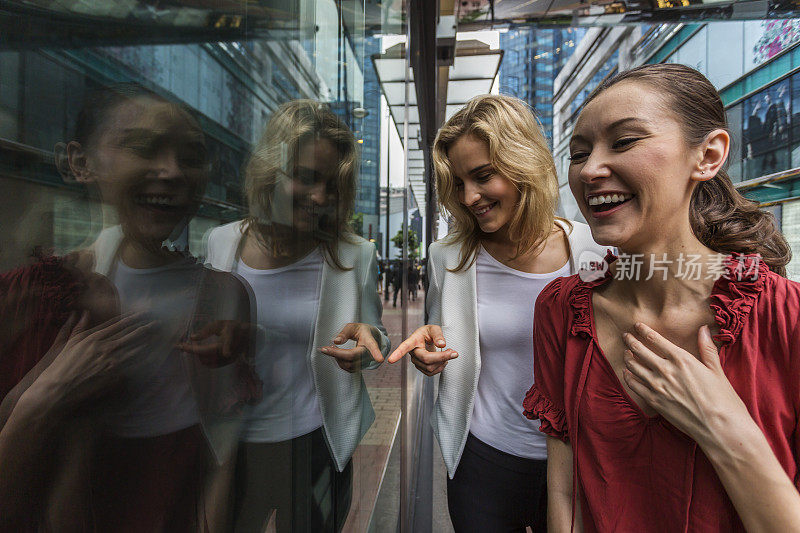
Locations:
{"points": [[433, 296], [371, 307]]}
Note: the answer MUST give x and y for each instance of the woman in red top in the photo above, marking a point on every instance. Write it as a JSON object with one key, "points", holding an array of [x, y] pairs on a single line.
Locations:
{"points": [[670, 394]]}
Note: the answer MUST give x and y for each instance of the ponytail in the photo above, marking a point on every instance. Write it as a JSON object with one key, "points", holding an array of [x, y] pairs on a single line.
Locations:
{"points": [[727, 222]]}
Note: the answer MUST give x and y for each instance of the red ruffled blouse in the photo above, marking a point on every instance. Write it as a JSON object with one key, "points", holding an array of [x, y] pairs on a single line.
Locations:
{"points": [[639, 473]]}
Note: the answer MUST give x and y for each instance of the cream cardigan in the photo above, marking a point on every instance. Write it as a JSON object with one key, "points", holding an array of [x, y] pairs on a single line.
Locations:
{"points": [[345, 296], [452, 303]]}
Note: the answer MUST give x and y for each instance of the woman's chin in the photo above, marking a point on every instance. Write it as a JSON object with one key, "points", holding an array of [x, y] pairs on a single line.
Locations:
{"points": [[605, 236], [488, 226]]}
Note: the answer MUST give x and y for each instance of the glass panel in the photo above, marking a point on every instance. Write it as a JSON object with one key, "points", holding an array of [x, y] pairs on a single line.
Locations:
{"points": [[790, 225], [725, 62], [203, 183], [764, 39], [737, 150], [693, 52], [9, 91], [459, 92], [472, 67], [795, 118], [395, 93], [766, 131]]}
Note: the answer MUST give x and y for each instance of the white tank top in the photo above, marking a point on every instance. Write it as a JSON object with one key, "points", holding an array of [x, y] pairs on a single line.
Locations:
{"points": [[506, 299], [287, 299], [159, 398]]}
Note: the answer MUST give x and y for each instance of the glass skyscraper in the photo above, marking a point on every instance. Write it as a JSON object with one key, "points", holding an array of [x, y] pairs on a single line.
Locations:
{"points": [[533, 58]]}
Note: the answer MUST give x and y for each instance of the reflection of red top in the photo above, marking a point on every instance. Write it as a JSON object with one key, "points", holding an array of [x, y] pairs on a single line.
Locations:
{"points": [[145, 484], [639, 473], [35, 302]]}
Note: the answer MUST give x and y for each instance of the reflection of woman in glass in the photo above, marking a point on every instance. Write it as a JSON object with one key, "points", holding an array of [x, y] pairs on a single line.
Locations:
{"points": [[496, 176], [104, 433], [314, 284], [670, 399]]}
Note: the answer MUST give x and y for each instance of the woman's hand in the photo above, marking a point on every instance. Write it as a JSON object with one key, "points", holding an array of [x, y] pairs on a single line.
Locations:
{"points": [[11, 399], [94, 361], [229, 341], [692, 393], [696, 397], [366, 338], [422, 346]]}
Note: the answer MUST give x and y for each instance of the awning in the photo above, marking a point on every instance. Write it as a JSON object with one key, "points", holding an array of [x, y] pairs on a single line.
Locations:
{"points": [[472, 73]]}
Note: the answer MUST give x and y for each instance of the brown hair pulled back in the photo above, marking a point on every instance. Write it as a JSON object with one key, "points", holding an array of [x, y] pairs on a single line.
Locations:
{"points": [[720, 217]]}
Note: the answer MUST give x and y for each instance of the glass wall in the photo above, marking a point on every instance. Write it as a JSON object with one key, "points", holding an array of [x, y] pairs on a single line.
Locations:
{"points": [[726, 51], [766, 130], [189, 267]]}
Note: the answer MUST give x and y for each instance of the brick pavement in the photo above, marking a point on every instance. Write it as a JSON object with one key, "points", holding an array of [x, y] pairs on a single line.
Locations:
{"points": [[371, 457]]}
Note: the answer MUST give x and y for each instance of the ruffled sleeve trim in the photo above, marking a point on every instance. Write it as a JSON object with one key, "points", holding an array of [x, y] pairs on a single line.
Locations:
{"points": [[735, 293], [580, 297], [538, 406]]}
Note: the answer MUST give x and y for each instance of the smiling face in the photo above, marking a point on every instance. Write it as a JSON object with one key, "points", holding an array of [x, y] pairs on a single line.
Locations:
{"points": [[147, 159], [491, 198], [631, 169], [302, 199]]}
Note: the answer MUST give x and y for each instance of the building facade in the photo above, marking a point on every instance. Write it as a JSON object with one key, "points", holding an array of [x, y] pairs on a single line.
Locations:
{"points": [[395, 218], [532, 59], [367, 200]]}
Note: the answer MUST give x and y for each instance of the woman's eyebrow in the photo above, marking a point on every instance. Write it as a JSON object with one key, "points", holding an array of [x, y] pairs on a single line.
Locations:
{"points": [[577, 138], [635, 121], [479, 168], [626, 121], [140, 133]]}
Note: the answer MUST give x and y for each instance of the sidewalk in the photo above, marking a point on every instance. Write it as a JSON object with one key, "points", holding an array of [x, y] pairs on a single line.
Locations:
{"points": [[371, 457]]}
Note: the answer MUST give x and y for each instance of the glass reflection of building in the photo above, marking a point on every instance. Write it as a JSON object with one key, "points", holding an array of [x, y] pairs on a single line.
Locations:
{"points": [[756, 67], [531, 61], [367, 200], [232, 87]]}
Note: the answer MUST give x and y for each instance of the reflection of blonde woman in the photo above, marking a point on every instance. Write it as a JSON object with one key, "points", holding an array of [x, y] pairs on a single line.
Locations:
{"points": [[314, 285], [496, 177]]}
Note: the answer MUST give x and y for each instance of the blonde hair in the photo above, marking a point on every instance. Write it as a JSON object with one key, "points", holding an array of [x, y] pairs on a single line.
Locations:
{"points": [[518, 152], [275, 157]]}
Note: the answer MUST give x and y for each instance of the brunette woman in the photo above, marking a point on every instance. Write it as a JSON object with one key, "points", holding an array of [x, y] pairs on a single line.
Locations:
{"points": [[669, 393]]}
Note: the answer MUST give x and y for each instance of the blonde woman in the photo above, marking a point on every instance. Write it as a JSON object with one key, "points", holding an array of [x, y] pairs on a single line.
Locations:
{"points": [[314, 287], [496, 177]]}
